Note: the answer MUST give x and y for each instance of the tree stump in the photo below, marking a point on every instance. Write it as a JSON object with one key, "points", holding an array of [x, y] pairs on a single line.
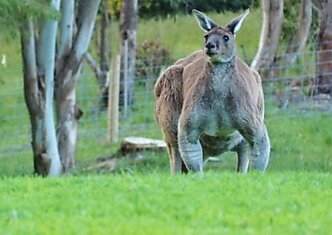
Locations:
{"points": [[135, 144]]}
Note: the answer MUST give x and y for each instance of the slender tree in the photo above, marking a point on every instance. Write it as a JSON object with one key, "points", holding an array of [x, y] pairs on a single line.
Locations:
{"points": [[128, 25], [323, 83], [270, 34], [39, 90], [101, 66]]}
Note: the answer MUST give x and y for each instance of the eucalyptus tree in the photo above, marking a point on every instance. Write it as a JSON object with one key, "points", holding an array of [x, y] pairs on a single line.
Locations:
{"points": [[47, 74], [38, 91]]}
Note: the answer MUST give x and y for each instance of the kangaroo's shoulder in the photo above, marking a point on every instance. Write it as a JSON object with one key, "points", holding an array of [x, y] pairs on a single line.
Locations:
{"points": [[170, 78], [246, 72]]}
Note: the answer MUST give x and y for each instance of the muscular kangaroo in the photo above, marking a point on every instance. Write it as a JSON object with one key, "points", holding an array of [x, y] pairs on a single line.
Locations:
{"points": [[211, 102]]}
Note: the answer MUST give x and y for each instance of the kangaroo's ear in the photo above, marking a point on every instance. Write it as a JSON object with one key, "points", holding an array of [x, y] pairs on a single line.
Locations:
{"points": [[204, 22], [236, 23]]}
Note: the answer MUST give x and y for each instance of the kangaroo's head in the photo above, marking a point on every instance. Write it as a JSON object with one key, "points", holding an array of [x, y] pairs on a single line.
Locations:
{"points": [[219, 43]]}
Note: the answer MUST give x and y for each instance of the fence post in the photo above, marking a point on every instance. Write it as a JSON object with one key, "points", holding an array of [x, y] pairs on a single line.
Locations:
{"points": [[113, 101]]}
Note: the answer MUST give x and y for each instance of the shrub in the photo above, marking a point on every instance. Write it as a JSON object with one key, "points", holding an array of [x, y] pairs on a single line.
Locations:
{"points": [[151, 58]]}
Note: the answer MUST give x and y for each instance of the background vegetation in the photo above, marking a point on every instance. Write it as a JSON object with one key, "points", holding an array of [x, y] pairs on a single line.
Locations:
{"points": [[139, 197], [300, 141]]}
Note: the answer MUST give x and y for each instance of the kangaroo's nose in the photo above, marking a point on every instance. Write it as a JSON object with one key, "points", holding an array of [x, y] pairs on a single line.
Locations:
{"points": [[210, 48], [210, 45]]}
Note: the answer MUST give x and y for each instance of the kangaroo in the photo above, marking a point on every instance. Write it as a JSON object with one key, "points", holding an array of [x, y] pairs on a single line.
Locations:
{"points": [[212, 102]]}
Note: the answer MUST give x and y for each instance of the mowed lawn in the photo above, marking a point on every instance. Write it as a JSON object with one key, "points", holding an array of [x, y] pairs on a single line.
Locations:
{"points": [[218, 203]]}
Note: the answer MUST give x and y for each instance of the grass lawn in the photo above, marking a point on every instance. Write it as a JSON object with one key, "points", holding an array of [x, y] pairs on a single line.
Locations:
{"points": [[154, 203]]}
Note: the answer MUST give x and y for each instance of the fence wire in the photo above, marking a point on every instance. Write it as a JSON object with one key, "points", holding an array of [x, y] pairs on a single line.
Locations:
{"points": [[287, 90]]}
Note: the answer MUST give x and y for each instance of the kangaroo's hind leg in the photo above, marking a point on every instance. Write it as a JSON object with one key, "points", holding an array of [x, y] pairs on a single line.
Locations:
{"points": [[259, 142], [243, 153], [168, 93], [176, 162]]}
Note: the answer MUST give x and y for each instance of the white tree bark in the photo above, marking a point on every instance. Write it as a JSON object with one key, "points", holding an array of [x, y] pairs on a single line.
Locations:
{"points": [[54, 154], [67, 30], [30, 66], [67, 75], [87, 18], [46, 55], [269, 39], [34, 98]]}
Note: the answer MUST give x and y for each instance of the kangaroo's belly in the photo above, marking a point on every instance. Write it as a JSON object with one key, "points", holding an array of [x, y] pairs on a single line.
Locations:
{"points": [[218, 123], [219, 134], [215, 145]]}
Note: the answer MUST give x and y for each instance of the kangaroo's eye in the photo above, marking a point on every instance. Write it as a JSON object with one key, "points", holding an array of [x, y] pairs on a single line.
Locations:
{"points": [[225, 38], [206, 37]]}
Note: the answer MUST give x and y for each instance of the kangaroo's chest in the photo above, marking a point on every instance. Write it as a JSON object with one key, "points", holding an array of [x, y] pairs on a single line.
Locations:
{"points": [[219, 110], [219, 102]]}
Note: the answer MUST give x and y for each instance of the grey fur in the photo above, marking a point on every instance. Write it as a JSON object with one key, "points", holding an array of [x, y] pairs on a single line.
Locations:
{"points": [[211, 102]]}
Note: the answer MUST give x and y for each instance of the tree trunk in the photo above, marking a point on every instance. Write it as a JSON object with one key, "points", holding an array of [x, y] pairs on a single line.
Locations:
{"points": [[269, 39], [39, 91], [54, 154], [299, 39], [67, 32], [68, 113], [101, 70], [45, 60], [103, 49], [323, 83], [128, 25], [104, 55], [34, 94]]}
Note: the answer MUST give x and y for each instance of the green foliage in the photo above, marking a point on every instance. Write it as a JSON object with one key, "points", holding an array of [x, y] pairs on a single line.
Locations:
{"points": [[151, 8], [14, 11], [228, 203], [290, 21], [114, 7], [162, 8]]}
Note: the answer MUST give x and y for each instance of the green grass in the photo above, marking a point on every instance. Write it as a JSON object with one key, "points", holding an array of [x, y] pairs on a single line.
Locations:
{"points": [[229, 203], [301, 143]]}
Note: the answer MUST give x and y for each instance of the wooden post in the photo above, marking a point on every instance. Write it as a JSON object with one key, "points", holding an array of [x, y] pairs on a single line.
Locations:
{"points": [[113, 101]]}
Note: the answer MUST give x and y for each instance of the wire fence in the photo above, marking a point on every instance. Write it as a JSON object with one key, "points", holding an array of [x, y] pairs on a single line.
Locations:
{"points": [[287, 91]]}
